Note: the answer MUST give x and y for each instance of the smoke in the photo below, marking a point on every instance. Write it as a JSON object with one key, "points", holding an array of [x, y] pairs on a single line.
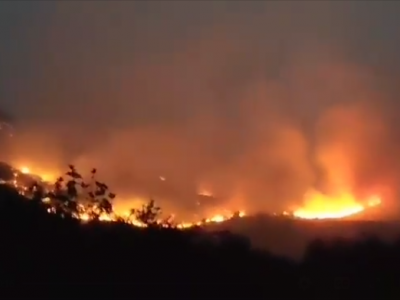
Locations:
{"points": [[257, 112]]}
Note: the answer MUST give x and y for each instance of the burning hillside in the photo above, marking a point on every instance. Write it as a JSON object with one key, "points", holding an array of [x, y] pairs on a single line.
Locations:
{"points": [[224, 118], [313, 142], [320, 206], [316, 205], [28, 183]]}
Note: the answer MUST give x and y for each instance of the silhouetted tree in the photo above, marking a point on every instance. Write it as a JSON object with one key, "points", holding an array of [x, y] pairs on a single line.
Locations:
{"points": [[99, 197], [71, 196], [148, 214], [64, 195]]}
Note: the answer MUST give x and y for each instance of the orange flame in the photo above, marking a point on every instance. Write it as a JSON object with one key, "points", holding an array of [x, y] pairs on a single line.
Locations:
{"points": [[321, 206], [316, 206]]}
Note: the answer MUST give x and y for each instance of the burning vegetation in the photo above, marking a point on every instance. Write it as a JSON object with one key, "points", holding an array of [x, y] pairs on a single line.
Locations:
{"points": [[75, 197], [320, 206], [89, 199]]}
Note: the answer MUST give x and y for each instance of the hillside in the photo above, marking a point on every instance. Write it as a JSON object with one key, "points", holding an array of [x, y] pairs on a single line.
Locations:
{"points": [[290, 237]]}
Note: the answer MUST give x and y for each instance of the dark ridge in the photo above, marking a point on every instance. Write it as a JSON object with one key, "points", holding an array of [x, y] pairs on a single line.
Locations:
{"points": [[45, 256]]}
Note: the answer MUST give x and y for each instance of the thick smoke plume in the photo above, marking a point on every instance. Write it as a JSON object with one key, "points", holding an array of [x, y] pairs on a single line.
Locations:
{"points": [[237, 105]]}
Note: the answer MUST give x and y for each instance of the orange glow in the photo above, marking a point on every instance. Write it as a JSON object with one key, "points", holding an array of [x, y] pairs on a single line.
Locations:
{"points": [[316, 206], [44, 175], [204, 192], [218, 218], [321, 206], [25, 170], [47, 177], [182, 225]]}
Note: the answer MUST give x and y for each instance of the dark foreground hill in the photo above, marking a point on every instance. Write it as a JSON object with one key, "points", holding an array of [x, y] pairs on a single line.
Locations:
{"points": [[46, 257], [290, 237]]}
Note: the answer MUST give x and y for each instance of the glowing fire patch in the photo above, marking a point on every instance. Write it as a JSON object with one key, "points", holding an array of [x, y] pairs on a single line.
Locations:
{"points": [[316, 206], [45, 176], [320, 206], [25, 170]]}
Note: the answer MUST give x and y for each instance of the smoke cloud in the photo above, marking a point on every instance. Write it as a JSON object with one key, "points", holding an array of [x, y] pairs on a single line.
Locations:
{"points": [[256, 103]]}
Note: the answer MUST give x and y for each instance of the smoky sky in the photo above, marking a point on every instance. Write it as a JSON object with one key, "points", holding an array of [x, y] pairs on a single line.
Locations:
{"points": [[254, 101]]}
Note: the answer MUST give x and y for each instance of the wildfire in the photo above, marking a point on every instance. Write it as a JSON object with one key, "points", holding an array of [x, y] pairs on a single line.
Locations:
{"points": [[183, 225], [45, 176], [218, 218], [316, 206], [85, 216], [25, 170], [321, 206]]}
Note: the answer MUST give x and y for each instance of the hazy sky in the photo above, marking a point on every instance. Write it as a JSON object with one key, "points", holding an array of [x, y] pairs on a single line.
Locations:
{"points": [[252, 100]]}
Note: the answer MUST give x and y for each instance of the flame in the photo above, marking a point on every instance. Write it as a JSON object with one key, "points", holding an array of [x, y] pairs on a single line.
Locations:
{"points": [[218, 218], [316, 206], [44, 175], [25, 170], [320, 206]]}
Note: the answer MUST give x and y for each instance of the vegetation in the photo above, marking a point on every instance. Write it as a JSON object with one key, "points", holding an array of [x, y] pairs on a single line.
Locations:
{"points": [[53, 255], [73, 196]]}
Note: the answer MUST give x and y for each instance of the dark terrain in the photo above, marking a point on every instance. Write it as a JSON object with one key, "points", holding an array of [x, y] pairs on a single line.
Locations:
{"points": [[45, 256], [290, 237]]}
